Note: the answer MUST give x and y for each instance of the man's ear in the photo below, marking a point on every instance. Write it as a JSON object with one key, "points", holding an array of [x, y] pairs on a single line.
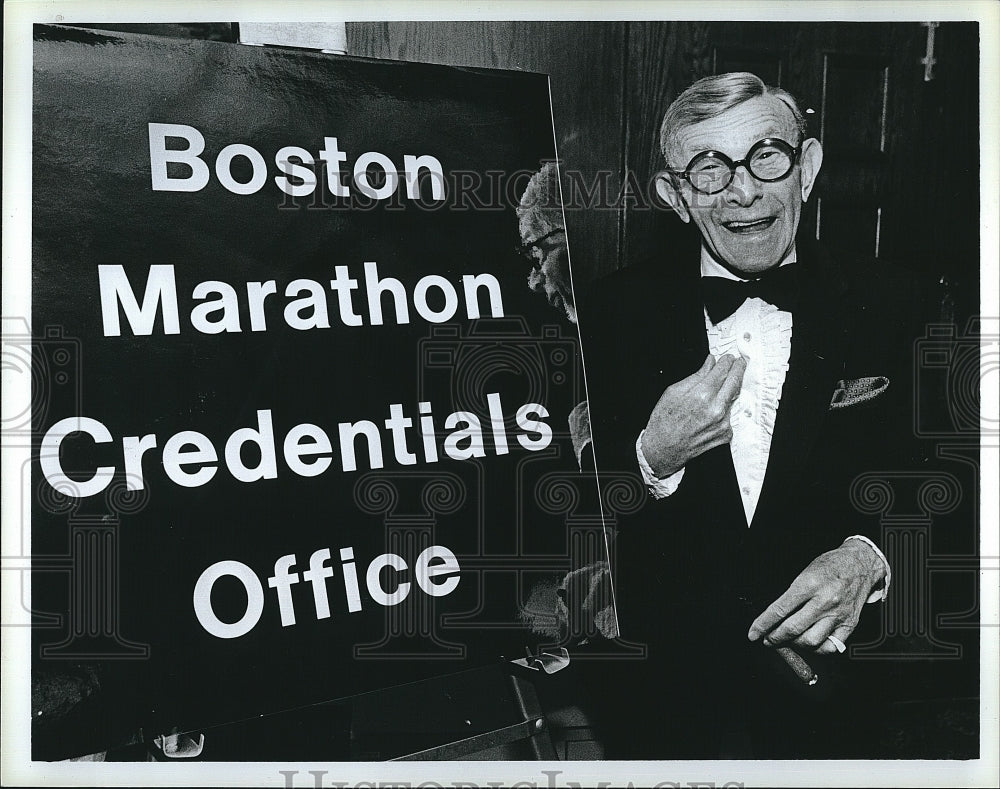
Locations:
{"points": [[670, 194], [811, 160]]}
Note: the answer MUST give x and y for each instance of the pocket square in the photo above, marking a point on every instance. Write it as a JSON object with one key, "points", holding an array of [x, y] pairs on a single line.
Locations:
{"points": [[852, 391]]}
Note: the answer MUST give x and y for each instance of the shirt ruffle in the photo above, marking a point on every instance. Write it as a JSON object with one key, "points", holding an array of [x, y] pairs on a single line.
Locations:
{"points": [[767, 356]]}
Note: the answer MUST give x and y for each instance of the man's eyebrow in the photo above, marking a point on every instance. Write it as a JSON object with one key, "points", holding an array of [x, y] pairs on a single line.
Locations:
{"points": [[771, 132]]}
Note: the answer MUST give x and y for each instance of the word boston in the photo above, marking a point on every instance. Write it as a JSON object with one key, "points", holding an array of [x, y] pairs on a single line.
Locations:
{"points": [[291, 441], [298, 180]]}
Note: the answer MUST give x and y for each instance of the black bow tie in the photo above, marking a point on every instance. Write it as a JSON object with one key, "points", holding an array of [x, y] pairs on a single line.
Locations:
{"points": [[724, 296]]}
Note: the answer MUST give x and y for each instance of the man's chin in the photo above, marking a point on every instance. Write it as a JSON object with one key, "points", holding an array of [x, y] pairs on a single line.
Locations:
{"points": [[750, 262], [562, 304]]}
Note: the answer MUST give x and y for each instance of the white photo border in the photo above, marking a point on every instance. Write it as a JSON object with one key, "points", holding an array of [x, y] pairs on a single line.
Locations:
{"points": [[17, 768]]}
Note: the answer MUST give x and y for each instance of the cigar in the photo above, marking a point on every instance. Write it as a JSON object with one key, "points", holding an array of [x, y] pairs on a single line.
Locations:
{"points": [[802, 669]]}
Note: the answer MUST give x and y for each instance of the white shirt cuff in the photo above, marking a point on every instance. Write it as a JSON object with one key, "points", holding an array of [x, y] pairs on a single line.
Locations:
{"points": [[658, 488], [878, 595]]}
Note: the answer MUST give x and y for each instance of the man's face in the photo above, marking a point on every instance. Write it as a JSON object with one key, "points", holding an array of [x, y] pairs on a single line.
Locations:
{"points": [[550, 274], [750, 225], [552, 278]]}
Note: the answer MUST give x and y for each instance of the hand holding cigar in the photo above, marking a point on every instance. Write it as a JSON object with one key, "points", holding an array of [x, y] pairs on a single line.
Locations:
{"points": [[822, 606]]}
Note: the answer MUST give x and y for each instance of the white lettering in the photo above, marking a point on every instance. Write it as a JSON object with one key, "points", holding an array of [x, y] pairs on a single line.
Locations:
{"points": [[203, 600], [227, 303], [420, 299], [284, 161], [384, 163], [433, 562], [160, 157], [224, 164], [374, 580], [48, 457], [263, 437], [411, 167], [294, 450], [116, 290], [174, 456], [534, 426]]}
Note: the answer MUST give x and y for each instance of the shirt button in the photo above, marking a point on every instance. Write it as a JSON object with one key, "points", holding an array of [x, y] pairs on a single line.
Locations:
{"points": [[747, 413], [746, 491], [746, 336]]}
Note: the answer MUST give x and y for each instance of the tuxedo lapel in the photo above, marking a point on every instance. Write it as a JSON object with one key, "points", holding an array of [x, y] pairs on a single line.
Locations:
{"points": [[687, 343], [815, 365], [711, 475]]}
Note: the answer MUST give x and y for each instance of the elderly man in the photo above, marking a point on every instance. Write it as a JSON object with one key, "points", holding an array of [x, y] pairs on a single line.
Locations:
{"points": [[543, 240], [749, 387], [543, 245]]}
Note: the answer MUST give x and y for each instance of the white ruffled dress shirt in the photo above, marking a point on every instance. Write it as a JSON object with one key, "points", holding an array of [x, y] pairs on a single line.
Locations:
{"points": [[762, 334]]}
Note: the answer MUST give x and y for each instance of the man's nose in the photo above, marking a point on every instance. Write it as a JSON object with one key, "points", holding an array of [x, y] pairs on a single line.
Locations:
{"points": [[744, 189]]}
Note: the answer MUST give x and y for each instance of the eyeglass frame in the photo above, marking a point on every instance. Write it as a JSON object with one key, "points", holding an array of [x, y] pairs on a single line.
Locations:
{"points": [[523, 249], [744, 162]]}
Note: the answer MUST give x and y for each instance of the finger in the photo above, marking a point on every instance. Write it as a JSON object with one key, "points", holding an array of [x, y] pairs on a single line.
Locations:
{"points": [[706, 366], [729, 390], [816, 634], [698, 375], [777, 612], [841, 633], [717, 376], [797, 624], [721, 434], [685, 385]]}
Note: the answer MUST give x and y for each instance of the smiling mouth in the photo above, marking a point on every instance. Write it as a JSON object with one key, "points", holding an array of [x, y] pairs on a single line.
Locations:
{"points": [[749, 226]]}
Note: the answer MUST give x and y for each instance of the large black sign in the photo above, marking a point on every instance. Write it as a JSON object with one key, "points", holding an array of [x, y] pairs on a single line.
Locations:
{"points": [[301, 426]]}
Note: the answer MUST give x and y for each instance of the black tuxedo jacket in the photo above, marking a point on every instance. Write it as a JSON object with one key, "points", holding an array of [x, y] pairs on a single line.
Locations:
{"points": [[688, 571]]}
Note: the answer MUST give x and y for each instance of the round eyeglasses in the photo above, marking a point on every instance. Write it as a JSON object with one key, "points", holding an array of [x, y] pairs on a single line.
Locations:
{"points": [[528, 249], [768, 160]]}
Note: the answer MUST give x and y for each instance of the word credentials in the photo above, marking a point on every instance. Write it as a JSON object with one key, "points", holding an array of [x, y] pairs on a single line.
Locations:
{"points": [[190, 459]]}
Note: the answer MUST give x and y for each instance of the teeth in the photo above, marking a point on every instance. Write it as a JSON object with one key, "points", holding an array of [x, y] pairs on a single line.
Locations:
{"points": [[756, 223]]}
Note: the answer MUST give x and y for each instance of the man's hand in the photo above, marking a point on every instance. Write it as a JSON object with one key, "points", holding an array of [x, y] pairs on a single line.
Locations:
{"points": [[692, 415], [826, 599]]}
